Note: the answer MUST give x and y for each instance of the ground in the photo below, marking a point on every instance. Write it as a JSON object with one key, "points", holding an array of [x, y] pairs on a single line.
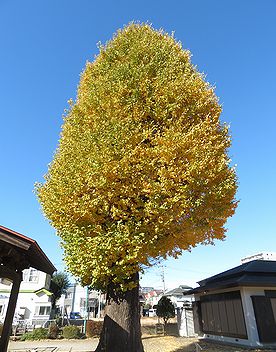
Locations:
{"points": [[151, 342]]}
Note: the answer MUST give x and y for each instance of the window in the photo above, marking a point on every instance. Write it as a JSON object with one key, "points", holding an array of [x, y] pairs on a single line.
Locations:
{"points": [[47, 281], [69, 294], [222, 314], [44, 310], [1, 309], [33, 276], [30, 275]]}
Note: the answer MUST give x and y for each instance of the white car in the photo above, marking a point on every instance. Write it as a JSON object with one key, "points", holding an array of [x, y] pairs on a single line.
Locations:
{"points": [[152, 312]]}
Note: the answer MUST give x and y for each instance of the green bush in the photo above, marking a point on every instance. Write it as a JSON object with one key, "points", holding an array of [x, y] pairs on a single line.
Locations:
{"points": [[93, 328], [71, 332], [53, 331], [165, 309], [36, 334]]}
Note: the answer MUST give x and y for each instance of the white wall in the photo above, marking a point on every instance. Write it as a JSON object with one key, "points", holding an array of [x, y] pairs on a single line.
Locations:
{"points": [[28, 302], [32, 280], [178, 301], [185, 322]]}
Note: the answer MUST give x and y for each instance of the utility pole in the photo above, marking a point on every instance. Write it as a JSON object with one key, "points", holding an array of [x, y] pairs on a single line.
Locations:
{"points": [[86, 309], [99, 304], [163, 277], [74, 297]]}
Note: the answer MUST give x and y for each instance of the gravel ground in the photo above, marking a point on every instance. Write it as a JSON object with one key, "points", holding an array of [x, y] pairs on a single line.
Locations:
{"points": [[182, 344]]}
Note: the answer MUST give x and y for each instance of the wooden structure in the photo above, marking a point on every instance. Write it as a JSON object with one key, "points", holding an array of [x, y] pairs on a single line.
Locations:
{"points": [[18, 252], [238, 306]]}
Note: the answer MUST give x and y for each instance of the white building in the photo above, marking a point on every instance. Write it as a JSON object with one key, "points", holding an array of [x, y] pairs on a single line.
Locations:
{"points": [[79, 299], [177, 296], [259, 256], [34, 299]]}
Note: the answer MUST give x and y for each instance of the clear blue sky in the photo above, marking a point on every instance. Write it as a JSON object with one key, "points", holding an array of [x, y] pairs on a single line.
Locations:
{"points": [[43, 48]]}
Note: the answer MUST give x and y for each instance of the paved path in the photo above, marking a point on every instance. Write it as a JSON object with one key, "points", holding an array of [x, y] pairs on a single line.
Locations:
{"points": [[151, 344], [87, 345]]}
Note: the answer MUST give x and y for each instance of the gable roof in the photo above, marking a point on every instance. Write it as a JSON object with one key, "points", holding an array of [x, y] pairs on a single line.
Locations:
{"points": [[179, 291], [254, 273], [27, 248]]}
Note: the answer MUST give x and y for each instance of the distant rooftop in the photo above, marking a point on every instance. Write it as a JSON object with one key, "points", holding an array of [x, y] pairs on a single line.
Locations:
{"points": [[259, 256], [179, 291], [146, 289]]}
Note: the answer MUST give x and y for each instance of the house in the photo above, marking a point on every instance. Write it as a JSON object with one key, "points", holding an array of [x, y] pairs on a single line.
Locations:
{"points": [[17, 253], [81, 300], [184, 313], [146, 289], [177, 296], [152, 297], [34, 297], [238, 306]]}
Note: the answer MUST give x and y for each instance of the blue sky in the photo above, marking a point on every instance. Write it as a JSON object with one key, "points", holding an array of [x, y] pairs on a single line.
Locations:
{"points": [[43, 48]]}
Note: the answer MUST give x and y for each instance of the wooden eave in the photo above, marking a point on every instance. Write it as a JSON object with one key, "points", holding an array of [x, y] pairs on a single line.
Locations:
{"points": [[23, 252]]}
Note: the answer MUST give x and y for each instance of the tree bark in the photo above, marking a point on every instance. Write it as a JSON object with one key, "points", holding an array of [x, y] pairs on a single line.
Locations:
{"points": [[121, 329]]}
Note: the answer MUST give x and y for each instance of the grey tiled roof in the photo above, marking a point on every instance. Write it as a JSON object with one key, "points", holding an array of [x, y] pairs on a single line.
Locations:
{"points": [[254, 273]]}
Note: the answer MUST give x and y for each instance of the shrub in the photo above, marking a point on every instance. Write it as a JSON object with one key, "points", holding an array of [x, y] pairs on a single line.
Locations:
{"points": [[93, 328], [36, 334], [165, 309], [71, 332], [53, 331]]}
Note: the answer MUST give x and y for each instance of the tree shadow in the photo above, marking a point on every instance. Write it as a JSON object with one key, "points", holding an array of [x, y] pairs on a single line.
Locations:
{"points": [[212, 347], [152, 337], [186, 348]]}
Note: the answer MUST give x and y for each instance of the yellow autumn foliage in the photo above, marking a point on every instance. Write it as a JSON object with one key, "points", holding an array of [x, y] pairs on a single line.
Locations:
{"points": [[141, 170]]}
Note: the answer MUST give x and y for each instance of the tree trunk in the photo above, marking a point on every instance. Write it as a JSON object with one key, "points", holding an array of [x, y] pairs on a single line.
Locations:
{"points": [[121, 329]]}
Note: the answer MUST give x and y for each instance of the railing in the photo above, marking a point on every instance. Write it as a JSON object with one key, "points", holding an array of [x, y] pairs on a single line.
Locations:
{"points": [[44, 323], [22, 326]]}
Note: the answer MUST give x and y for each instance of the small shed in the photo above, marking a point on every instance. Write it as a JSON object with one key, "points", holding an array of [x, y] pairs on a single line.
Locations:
{"points": [[238, 306], [18, 252]]}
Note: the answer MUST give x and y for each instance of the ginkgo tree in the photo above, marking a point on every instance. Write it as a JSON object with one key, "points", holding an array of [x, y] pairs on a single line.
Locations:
{"points": [[141, 171]]}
